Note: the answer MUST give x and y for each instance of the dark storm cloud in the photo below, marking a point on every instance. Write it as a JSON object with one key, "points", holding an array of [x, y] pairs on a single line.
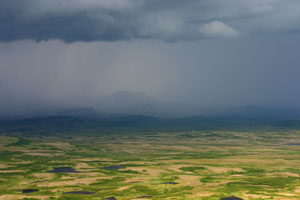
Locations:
{"points": [[259, 65], [171, 20]]}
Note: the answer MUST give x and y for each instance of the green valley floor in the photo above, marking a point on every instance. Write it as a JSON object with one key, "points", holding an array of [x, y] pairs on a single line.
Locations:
{"points": [[163, 165]]}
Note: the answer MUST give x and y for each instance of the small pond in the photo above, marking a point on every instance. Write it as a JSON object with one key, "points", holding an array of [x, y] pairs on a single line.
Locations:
{"points": [[27, 191], [114, 167], [63, 170], [170, 183], [232, 198], [111, 198]]}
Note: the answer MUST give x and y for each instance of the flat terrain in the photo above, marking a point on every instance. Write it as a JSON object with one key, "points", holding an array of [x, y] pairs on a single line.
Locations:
{"points": [[162, 165]]}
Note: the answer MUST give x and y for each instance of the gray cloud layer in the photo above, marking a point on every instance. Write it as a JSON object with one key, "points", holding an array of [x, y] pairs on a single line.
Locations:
{"points": [[258, 65], [255, 70], [170, 20]]}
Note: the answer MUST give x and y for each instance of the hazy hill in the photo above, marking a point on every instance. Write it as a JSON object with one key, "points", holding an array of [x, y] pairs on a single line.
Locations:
{"points": [[127, 102], [124, 103], [132, 103]]}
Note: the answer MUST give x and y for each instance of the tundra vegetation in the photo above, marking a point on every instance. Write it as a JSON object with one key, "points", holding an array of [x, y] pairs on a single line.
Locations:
{"points": [[199, 164]]}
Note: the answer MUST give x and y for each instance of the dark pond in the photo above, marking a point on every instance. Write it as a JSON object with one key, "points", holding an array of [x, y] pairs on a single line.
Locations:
{"points": [[232, 198], [29, 191], [170, 183], [63, 170], [293, 144], [111, 198], [114, 167], [79, 192]]}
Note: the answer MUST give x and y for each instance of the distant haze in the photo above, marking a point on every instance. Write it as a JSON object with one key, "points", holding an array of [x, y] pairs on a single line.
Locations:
{"points": [[57, 55]]}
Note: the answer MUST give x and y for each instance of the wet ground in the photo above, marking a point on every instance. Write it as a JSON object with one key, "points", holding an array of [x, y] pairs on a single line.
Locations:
{"points": [[80, 192]]}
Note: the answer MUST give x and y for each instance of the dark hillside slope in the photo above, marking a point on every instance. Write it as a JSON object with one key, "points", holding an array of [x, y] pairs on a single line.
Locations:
{"points": [[69, 125]]}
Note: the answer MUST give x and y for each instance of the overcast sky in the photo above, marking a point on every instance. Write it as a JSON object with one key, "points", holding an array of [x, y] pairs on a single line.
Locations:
{"points": [[65, 53]]}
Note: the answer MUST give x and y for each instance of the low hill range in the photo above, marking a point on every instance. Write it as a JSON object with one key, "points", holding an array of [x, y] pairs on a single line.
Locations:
{"points": [[137, 111]]}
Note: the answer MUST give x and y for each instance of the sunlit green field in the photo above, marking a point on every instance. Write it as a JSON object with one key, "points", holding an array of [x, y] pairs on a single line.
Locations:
{"points": [[162, 165]]}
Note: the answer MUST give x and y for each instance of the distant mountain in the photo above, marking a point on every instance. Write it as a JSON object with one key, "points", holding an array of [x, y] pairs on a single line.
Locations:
{"points": [[136, 112], [133, 103], [125, 104], [121, 103]]}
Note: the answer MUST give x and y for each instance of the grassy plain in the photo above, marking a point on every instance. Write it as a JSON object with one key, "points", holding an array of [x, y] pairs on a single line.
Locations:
{"points": [[162, 165]]}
